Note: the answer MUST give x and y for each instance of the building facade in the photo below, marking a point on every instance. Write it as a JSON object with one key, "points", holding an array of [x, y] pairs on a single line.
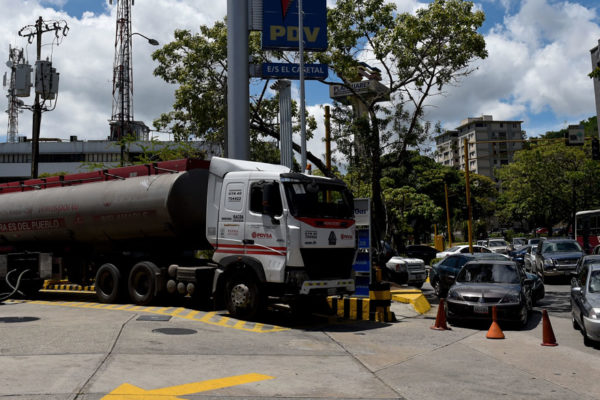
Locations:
{"points": [[491, 144], [77, 156]]}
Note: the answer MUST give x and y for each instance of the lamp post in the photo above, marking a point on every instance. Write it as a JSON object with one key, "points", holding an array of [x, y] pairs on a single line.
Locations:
{"points": [[152, 42]]}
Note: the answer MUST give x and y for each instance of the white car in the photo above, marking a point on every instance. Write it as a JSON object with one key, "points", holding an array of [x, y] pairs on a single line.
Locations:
{"points": [[406, 270], [464, 248], [497, 245]]}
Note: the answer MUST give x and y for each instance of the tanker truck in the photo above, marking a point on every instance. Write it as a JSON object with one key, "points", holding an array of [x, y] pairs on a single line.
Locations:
{"points": [[135, 233]]}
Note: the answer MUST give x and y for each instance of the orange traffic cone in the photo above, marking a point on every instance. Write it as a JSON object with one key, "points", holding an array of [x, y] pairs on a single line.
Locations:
{"points": [[440, 319], [494, 332], [548, 334]]}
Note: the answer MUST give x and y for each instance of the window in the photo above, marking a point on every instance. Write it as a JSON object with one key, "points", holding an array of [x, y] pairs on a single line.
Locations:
{"points": [[257, 200], [234, 196]]}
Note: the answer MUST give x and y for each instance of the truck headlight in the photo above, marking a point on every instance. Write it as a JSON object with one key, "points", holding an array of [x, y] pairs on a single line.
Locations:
{"points": [[548, 263], [400, 267], [595, 313]]}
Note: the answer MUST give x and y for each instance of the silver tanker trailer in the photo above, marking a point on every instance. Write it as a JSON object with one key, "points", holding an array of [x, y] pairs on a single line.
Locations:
{"points": [[136, 232]]}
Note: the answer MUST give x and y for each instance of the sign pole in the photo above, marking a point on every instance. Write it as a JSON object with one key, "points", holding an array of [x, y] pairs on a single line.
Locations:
{"points": [[302, 94]]}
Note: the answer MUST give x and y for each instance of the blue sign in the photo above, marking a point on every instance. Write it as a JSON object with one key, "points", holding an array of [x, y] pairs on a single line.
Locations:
{"points": [[292, 71], [280, 25], [364, 241]]}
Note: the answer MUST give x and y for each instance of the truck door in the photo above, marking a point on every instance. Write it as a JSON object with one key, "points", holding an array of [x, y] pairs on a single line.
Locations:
{"points": [[231, 219], [264, 236]]}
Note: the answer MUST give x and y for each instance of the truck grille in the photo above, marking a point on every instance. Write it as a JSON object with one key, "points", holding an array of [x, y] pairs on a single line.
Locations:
{"points": [[328, 263]]}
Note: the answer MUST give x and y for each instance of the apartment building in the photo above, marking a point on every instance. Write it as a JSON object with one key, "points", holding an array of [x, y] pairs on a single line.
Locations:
{"points": [[491, 144]]}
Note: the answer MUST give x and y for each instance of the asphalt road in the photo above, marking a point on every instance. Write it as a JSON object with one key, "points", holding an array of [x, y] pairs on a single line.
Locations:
{"points": [[68, 347]]}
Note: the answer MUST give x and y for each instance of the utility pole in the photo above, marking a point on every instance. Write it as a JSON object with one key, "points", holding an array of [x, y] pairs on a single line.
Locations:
{"points": [[31, 31], [327, 138], [448, 216], [468, 188]]}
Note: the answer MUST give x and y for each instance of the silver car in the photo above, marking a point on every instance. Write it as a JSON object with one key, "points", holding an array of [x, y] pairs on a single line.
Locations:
{"points": [[585, 302]]}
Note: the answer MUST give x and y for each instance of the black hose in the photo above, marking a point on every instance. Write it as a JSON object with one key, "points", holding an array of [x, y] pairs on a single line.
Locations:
{"points": [[5, 296]]}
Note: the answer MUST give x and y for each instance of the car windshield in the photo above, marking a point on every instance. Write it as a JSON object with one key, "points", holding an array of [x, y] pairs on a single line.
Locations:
{"points": [[497, 243], [488, 273], [594, 285], [519, 241], [561, 247], [534, 241], [319, 199]]}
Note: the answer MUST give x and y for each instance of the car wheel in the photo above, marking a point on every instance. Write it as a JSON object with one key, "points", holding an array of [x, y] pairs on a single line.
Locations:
{"points": [[438, 290]]}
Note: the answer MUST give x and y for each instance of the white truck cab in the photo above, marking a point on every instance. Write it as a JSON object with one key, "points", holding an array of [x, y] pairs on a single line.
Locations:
{"points": [[278, 233]]}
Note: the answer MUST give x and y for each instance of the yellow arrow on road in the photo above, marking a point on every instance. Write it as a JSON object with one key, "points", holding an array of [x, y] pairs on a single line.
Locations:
{"points": [[131, 392]]}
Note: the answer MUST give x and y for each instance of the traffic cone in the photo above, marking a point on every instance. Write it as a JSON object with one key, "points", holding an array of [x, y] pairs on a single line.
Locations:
{"points": [[494, 332], [548, 334], [440, 319]]}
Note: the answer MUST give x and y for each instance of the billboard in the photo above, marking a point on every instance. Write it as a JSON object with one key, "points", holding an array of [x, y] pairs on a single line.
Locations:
{"points": [[292, 71], [280, 25]]}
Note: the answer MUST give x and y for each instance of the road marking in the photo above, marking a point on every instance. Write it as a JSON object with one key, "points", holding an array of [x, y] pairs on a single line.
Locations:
{"points": [[130, 392], [211, 318]]}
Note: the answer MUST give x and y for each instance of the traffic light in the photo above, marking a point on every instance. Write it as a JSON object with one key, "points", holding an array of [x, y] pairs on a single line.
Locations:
{"points": [[595, 149]]}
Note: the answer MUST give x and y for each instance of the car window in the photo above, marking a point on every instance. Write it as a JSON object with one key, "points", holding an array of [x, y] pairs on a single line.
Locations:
{"points": [[594, 285], [488, 273], [484, 250], [450, 262], [497, 243], [452, 249], [460, 261], [465, 250]]}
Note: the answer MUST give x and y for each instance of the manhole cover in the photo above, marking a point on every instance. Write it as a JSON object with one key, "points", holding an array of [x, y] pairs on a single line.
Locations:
{"points": [[154, 318], [174, 331], [12, 320]]}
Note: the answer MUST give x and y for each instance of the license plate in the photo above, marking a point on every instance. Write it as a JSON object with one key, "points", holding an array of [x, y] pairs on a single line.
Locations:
{"points": [[480, 309]]}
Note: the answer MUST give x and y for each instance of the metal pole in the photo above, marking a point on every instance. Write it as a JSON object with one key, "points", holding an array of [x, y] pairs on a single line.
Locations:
{"points": [[448, 216], [327, 138], [238, 140], [37, 110], [468, 188], [302, 94], [285, 121]]}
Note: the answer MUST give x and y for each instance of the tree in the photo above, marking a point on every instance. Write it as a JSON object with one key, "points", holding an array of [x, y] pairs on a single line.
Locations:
{"points": [[418, 55], [547, 184], [197, 63]]}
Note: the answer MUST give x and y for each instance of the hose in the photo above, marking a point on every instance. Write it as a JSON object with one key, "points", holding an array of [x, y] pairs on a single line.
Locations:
{"points": [[5, 296]]}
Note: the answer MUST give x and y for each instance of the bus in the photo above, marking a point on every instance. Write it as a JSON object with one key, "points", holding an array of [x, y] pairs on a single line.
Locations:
{"points": [[587, 230]]}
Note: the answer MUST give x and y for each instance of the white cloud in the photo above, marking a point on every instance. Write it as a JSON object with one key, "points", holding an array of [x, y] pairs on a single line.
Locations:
{"points": [[84, 60], [538, 61]]}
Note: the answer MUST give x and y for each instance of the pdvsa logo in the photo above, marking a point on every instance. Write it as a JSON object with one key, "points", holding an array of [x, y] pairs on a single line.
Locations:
{"points": [[347, 237], [260, 235], [280, 25]]}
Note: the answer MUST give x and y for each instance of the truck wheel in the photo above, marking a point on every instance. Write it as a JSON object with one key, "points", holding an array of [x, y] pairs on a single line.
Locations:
{"points": [[108, 283], [243, 297], [142, 282]]}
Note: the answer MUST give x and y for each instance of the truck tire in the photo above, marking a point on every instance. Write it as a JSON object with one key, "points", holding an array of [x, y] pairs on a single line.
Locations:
{"points": [[142, 283], [108, 283], [243, 296]]}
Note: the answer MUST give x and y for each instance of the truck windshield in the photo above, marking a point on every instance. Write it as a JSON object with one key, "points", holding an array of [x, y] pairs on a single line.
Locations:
{"points": [[319, 200]]}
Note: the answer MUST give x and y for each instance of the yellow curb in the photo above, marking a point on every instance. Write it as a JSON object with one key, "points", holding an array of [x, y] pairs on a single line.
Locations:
{"points": [[414, 297]]}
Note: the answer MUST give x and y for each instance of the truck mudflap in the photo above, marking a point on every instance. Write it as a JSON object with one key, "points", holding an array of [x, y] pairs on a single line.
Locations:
{"points": [[331, 286]]}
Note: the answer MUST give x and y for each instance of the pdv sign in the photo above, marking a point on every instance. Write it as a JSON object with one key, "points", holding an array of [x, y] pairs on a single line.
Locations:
{"points": [[280, 25]]}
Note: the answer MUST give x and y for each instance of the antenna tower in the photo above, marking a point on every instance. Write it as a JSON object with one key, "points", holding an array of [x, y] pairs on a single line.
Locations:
{"points": [[15, 56], [122, 105]]}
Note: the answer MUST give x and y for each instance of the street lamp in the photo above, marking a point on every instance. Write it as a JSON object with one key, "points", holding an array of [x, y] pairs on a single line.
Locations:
{"points": [[153, 42]]}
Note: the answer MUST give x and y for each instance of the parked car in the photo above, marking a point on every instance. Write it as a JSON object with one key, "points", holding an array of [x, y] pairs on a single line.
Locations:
{"points": [[406, 270], [425, 253], [586, 260], [538, 290], [482, 284], [481, 242], [585, 302], [556, 257], [443, 274], [529, 258], [534, 241], [497, 245], [518, 255], [518, 242], [462, 249]]}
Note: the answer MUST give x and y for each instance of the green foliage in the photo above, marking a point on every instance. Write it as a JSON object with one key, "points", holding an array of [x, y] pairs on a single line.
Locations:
{"points": [[47, 174], [548, 184], [418, 55], [590, 129]]}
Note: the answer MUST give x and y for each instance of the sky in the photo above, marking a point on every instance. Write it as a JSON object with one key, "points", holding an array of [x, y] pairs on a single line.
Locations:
{"points": [[535, 72]]}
